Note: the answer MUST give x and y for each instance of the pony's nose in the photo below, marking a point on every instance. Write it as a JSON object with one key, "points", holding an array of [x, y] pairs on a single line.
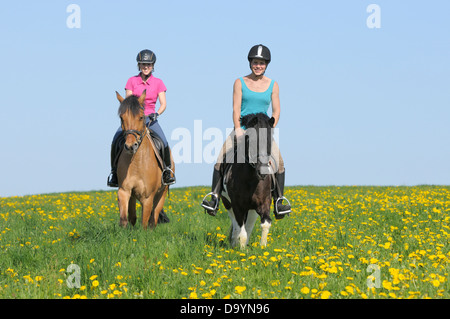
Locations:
{"points": [[132, 148], [265, 170], [264, 159]]}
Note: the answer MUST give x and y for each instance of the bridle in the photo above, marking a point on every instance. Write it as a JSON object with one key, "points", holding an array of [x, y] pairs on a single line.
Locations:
{"points": [[139, 135]]}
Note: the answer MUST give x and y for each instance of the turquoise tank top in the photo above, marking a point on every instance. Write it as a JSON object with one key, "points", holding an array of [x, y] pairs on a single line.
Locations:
{"points": [[255, 102]]}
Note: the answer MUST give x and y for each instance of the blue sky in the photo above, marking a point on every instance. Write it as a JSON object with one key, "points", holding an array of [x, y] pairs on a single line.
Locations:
{"points": [[359, 105]]}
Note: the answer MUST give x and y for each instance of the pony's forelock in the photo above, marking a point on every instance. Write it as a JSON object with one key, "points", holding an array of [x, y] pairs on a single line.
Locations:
{"points": [[257, 120], [131, 103]]}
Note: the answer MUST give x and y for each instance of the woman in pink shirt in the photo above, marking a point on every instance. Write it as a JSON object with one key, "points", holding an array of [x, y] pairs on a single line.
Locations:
{"points": [[155, 89]]}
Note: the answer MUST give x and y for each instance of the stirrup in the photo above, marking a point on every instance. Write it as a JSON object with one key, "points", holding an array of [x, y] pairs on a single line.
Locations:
{"points": [[162, 177], [208, 207], [276, 206]]}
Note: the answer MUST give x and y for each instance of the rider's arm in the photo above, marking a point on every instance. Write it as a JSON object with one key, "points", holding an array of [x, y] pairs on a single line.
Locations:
{"points": [[276, 103], [162, 102], [237, 100]]}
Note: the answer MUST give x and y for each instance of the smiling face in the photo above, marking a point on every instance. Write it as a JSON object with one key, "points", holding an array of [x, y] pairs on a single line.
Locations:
{"points": [[146, 68], [258, 66]]}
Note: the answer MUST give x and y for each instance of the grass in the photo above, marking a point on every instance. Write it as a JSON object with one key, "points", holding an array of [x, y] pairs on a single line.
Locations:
{"points": [[323, 250]]}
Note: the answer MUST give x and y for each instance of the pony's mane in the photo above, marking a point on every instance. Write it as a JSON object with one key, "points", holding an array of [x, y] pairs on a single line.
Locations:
{"points": [[131, 103], [257, 120]]}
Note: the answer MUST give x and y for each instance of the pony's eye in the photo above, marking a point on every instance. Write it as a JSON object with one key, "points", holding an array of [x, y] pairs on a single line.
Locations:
{"points": [[141, 118]]}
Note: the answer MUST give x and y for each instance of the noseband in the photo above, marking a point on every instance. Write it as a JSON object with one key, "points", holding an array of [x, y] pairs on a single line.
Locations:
{"points": [[139, 135]]}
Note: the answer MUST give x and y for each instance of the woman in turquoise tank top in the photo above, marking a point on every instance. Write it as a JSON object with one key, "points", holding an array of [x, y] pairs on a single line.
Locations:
{"points": [[255, 102], [253, 93]]}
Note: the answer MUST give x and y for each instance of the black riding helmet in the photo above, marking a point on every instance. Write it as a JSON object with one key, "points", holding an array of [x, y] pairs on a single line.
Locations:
{"points": [[146, 56], [259, 51]]}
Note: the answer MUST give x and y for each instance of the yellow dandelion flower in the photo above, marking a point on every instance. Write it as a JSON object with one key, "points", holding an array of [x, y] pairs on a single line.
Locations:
{"points": [[193, 295], [435, 283], [304, 290], [240, 289], [325, 294]]}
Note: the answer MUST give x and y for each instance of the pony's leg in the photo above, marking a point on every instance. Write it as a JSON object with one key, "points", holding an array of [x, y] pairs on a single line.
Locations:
{"points": [[132, 210], [266, 222], [235, 229], [123, 198], [160, 206], [152, 222], [243, 237], [147, 210], [239, 231], [250, 222]]}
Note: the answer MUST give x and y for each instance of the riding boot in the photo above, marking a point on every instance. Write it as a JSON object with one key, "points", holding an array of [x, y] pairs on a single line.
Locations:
{"points": [[280, 209], [116, 149], [167, 177], [212, 205]]}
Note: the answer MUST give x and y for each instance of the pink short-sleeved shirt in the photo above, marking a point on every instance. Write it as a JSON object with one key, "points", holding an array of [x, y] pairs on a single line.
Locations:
{"points": [[153, 85]]}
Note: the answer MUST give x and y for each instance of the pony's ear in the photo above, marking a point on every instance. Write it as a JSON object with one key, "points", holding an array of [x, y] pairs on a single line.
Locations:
{"points": [[272, 121], [119, 97], [142, 97], [243, 121]]}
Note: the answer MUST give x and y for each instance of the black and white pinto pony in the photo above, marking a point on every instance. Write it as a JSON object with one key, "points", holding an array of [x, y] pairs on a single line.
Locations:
{"points": [[248, 180]]}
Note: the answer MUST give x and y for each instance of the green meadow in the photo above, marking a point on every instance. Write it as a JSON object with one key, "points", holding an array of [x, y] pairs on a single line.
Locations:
{"points": [[339, 242]]}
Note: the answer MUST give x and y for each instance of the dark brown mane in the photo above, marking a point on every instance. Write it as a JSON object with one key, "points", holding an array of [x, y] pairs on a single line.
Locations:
{"points": [[257, 120]]}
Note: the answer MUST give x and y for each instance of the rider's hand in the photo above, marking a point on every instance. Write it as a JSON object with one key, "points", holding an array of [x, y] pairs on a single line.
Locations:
{"points": [[153, 117], [238, 132]]}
